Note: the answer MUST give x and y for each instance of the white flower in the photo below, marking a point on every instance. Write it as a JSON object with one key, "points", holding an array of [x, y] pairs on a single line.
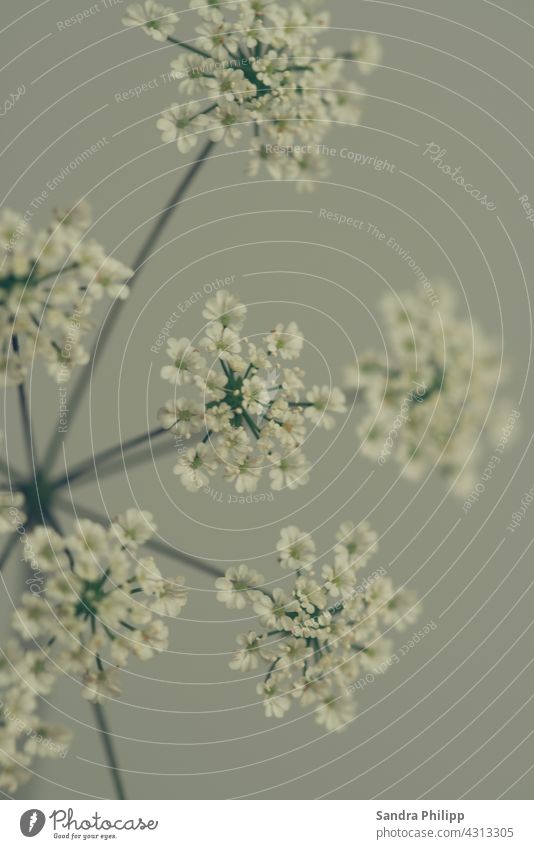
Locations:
{"points": [[152, 638], [289, 470], [316, 637], [213, 384], [37, 673], [153, 18], [276, 699], [285, 342], [335, 713], [295, 549], [109, 277], [250, 653], [226, 309], [195, 467], [169, 598], [324, 400], [97, 611], [220, 340], [428, 410], [249, 408], [368, 52], [48, 741], [255, 394], [181, 416], [186, 361], [218, 418], [134, 526], [182, 124], [231, 84], [259, 66], [226, 123], [356, 543], [244, 473], [275, 610], [217, 37], [292, 428], [100, 685], [339, 579], [234, 589]]}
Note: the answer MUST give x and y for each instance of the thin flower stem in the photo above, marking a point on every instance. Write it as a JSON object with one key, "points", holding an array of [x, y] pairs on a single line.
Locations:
{"points": [[87, 466], [25, 415], [252, 425], [139, 262], [301, 404], [8, 548], [50, 519], [35, 281], [106, 737], [188, 47], [100, 716], [162, 548], [117, 465]]}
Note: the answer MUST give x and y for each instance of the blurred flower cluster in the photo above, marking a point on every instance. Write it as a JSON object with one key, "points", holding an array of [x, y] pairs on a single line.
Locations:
{"points": [[429, 396], [102, 600], [258, 65], [322, 628], [250, 403], [24, 675], [49, 281], [98, 603]]}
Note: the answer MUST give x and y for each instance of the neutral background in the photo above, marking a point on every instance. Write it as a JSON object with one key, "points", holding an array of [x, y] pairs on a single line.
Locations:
{"points": [[454, 718]]}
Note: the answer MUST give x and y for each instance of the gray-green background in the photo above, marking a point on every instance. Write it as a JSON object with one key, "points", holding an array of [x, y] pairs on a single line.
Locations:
{"points": [[453, 718]]}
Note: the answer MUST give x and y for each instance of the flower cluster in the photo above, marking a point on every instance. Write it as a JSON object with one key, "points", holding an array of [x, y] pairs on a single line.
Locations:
{"points": [[24, 676], [430, 396], [49, 281], [251, 408], [318, 633], [258, 64], [101, 603]]}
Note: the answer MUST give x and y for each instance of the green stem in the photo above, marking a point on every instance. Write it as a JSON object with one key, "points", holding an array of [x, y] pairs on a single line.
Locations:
{"points": [[139, 262], [106, 738], [86, 466], [25, 415], [8, 548], [34, 282], [251, 423], [188, 47]]}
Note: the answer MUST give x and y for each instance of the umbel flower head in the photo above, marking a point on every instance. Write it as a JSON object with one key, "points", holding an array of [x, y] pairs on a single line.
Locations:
{"points": [[322, 629], [101, 603], [257, 65], [429, 399], [252, 406], [49, 281]]}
